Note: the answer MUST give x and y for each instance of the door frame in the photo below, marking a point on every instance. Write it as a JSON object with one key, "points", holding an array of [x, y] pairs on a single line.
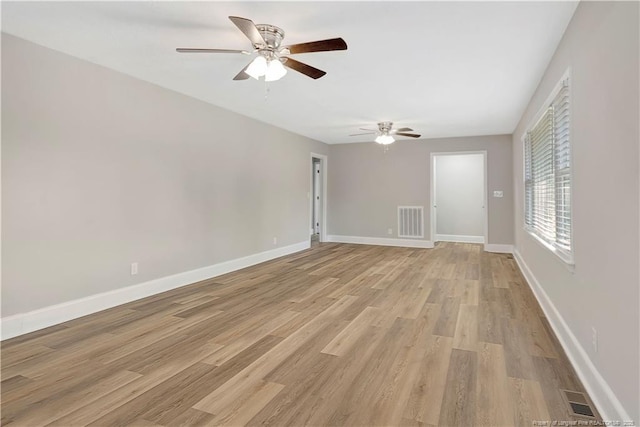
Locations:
{"points": [[432, 208], [323, 193]]}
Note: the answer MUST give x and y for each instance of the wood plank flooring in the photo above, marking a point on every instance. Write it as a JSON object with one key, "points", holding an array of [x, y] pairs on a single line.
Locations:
{"points": [[335, 335]]}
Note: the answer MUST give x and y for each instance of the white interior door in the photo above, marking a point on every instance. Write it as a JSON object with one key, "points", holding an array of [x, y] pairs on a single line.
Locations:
{"points": [[459, 197]]}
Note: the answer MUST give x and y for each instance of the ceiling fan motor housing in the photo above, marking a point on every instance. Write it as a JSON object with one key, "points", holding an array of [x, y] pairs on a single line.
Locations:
{"points": [[272, 36], [385, 127]]}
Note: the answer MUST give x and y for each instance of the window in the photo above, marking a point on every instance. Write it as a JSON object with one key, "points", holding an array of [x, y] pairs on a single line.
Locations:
{"points": [[547, 175]]}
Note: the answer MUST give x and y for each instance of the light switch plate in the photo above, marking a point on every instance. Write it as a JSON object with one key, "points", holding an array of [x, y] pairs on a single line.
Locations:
{"points": [[498, 194]]}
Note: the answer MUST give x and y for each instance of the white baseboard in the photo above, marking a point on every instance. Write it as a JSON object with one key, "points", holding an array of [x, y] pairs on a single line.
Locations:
{"points": [[500, 249], [459, 238], [603, 397], [24, 323], [381, 241]]}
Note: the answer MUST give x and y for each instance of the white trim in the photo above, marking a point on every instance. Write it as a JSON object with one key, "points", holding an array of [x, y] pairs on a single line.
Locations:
{"points": [[600, 392], [566, 259], [432, 207], [24, 323], [499, 249], [382, 241], [457, 238], [324, 195]]}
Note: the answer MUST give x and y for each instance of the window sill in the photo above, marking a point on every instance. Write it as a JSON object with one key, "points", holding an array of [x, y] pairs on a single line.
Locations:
{"points": [[566, 259]]}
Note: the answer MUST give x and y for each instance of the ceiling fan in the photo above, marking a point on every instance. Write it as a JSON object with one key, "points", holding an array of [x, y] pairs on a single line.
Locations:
{"points": [[385, 131], [272, 58]]}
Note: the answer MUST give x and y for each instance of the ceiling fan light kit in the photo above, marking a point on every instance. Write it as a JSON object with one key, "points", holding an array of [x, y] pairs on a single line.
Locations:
{"points": [[271, 70], [385, 139], [273, 58]]}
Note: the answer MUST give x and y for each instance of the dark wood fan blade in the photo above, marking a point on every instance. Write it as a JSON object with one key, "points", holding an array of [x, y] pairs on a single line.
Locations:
{"points": [[198, 50], [249, 29], [242, 75], [412, 135], [303, 68], [358, 134], [404, 130], [318, 46]]}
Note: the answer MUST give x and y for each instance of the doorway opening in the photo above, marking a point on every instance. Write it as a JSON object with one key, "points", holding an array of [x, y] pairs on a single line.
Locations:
{"points": [[459, 197], [317, 195]]}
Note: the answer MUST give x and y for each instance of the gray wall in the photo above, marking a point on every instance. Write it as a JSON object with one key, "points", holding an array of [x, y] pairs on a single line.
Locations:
{"points": [[601, 47], [100, 170], [366, 184], [459, 195]]}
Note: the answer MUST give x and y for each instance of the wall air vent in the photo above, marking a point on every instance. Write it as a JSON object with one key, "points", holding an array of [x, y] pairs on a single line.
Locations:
{"points": [[411, 221]]}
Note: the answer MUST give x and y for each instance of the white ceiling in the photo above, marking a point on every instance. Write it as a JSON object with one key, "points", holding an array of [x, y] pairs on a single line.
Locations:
{"points": [[441, 68]]}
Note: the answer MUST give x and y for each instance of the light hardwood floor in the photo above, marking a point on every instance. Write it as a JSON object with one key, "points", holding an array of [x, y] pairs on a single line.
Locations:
{"points": [[335, 335]]}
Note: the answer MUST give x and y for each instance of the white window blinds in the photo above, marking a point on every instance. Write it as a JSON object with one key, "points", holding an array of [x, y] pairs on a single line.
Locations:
{"points": [[547, 170]]}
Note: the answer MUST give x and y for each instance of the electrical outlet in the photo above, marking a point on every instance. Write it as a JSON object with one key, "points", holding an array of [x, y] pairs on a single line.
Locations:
{"points": [[134, 268], [594, 339], [389, 231], [498, 193], [275, 240]]}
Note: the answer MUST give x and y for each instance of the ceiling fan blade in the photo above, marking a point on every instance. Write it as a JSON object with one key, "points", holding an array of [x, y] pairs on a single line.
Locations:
{"points": [[358, 134], [411, 135], [318, 46], [370, 130], [249, 29], [303, 68], [242, 75], [198, 50], [403, 130]]}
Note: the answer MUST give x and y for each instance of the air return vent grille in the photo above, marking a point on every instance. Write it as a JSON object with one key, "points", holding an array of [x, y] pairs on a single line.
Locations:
{"points": [[578, 404], [411, 221]]}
